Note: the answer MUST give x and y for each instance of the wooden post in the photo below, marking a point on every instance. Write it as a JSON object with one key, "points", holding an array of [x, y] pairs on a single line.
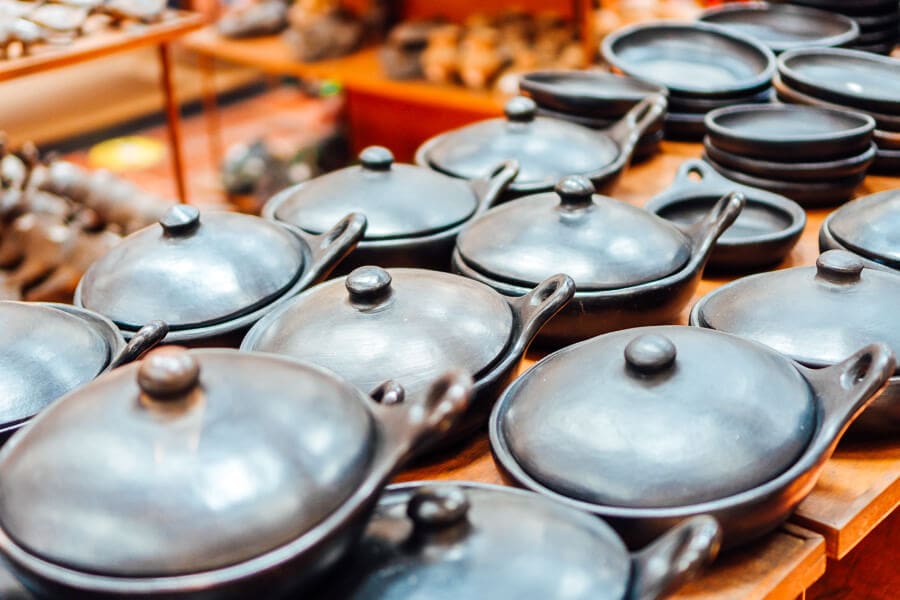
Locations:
{"points": [[172, 117]]}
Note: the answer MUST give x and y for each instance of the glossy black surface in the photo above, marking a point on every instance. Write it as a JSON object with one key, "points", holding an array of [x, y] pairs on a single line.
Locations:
{"points": [[868, 226], [603, 439], [691, 59], [809, 194], [681, 104], [596, 94], [789, 133], [764, 233], [887, 162], [789, 95], [453, 540], [292, 501], [794, 170], [848, 77], [784, 27]]}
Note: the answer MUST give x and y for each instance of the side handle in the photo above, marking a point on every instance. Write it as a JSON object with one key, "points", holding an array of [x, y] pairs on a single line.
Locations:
{"points": [[490, 189], [720, 217], [146, 338], [330, 248]]}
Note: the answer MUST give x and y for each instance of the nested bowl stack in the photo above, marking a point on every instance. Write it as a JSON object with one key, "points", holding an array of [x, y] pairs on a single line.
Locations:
{"points": [[877, 19]]}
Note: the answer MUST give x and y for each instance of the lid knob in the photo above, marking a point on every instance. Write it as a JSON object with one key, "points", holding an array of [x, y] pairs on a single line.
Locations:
{"points": [[575, 191], [650, 353], [520, 109], [438, 506], [368, 285], [376, 158], [168, 373], [839, 266], [180, 219]]}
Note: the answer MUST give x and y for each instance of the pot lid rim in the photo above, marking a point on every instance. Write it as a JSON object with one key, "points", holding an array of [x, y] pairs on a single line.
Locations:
{"points": [[862, 204]]}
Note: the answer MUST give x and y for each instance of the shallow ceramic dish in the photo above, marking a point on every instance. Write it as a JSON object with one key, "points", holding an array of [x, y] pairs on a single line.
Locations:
{"points": [[452, 540], [883, 49], [762, 235], [868, 226], [210, 276], [646, 427], [792, 171], [886, 140], [847, 77], [887, 162], [544, 149], [679, 104], [876, 21], [596, 94], [48, 350], [259, 471], [629, 266], [413, 214], [852, 8], [408, 325], [876, 38], [809, 194], [691, 59], [816, 315], [685, 126], [790, 95], [783, 27], [789, 133]]}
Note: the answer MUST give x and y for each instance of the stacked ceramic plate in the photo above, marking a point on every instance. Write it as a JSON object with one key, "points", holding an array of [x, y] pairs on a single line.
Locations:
{"points": [[815, 156], [784, 27], [878, 20], [704, 67], [852, 80], [594, 99]]}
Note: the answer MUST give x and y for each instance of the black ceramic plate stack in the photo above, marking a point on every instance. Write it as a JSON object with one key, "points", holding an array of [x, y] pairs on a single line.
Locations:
{"points": [[815, 156], [594, 99], [848, 80], [878, 20], [704, 67]]}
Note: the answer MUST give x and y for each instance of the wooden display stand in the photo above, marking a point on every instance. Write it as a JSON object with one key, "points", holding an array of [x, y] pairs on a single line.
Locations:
{"points": [[98, 44]]}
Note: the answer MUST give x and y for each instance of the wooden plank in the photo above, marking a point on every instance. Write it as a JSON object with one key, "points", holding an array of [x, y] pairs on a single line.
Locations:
{"points": [[101, 43]]}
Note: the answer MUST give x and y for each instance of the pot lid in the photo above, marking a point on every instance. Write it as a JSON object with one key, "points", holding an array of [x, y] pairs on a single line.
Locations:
{"points": [[489, 541], [408, 325], [44, 353], [398, 200], [240, 453], [546, 149], [658, 417], [816, 315], [192, 271], [599, 242], [871, 227]]}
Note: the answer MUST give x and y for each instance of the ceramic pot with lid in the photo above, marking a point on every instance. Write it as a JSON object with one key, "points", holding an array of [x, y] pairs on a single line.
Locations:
{"points": [[545, 149], [48, 350], [452, 540], [869, 227], [409, 325], [647, 427], [210, 276], [816, 316], [413, 214], [630, 267], [210, 474]]}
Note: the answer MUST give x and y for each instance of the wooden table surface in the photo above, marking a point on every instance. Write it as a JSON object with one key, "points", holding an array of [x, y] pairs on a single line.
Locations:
{"points": [[101, 42]]}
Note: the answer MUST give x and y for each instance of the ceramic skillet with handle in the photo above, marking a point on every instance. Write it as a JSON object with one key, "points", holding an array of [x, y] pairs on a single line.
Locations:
{"points": [[210, 474]]}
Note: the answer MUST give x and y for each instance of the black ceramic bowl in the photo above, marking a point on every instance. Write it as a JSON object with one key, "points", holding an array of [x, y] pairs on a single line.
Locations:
{"points": [[788, 95], [689, 127], [792, 171], [596, 94]]}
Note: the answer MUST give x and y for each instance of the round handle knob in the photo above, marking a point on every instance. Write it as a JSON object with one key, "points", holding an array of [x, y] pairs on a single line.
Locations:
{"points": [[376, 158], [180, 219], [168, 373], [520, 109], [368, 285], [575, 191], [438, 506], [650, 353], [839, 266]]}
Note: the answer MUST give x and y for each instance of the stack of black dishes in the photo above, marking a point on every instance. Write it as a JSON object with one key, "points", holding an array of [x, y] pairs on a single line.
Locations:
{"points": [[848, 79], [815, 156], [785, 27], [594, 99], [877, 19], [704, 67]]}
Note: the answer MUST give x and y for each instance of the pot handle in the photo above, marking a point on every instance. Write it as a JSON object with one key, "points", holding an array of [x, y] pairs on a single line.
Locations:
{"points": [[490, 189], [537, 307], [626, 132], [675, 558], [145, 339], [845, 389], [333, 246], [415, 420], [720, 217], [704, 174]]}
